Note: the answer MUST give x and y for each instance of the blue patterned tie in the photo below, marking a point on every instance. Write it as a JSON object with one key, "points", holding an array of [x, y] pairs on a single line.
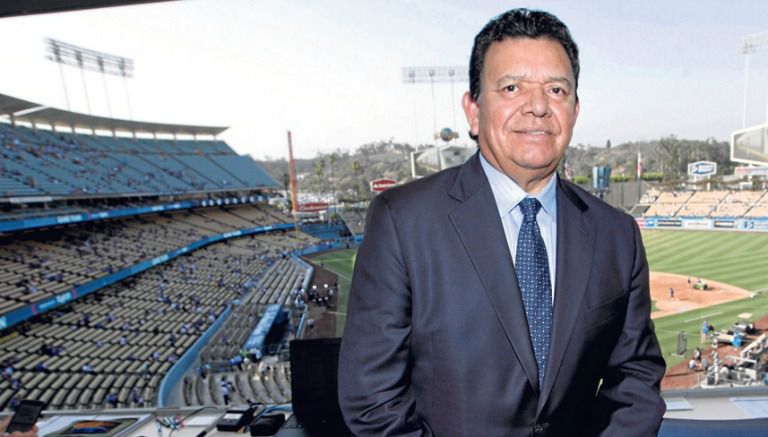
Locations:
{"points": [[532, 268]]}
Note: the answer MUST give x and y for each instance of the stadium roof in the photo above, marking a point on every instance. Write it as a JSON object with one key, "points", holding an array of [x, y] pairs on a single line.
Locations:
{"points": [[10, 105], [22, 110], [14, 8]]}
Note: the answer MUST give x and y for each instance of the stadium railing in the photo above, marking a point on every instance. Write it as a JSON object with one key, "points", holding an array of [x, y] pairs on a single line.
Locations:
{"points": [[714, 428]]}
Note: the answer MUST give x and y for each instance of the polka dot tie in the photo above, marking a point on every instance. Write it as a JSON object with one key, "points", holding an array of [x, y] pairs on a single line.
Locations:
{"points": [[532, 268]]}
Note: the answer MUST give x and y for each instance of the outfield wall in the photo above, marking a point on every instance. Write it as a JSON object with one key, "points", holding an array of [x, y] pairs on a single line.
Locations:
{"points": [[705, 224]]}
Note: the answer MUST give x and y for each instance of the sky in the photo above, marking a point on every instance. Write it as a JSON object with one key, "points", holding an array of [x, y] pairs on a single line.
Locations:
{"points": [[330, 71]]}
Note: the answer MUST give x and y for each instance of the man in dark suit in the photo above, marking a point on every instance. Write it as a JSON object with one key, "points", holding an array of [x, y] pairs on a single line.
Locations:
{"points": [[494, 298]]}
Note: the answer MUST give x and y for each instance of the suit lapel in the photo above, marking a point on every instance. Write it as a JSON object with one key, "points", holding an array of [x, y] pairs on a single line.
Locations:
{"points": [[479, 227], [575, 240]]}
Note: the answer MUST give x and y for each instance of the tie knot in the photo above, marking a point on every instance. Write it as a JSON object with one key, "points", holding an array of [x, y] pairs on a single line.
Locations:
{"points": [[530, 207]]}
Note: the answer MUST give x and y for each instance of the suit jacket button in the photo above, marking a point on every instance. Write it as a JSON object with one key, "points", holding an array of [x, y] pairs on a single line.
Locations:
{"points": [[538, 429]]}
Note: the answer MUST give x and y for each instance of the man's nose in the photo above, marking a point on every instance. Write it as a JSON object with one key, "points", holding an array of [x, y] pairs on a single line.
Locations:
{"points": [[537, 103]]}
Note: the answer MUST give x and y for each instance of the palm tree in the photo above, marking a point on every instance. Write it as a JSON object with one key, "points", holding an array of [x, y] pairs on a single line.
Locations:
{"points": [[319, 171], [332, 160], [356, 168]]}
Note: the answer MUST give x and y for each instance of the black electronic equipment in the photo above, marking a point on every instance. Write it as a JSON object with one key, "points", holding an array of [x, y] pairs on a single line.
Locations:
{"points": [[314, 387], [26, 416], [267, 425], [237, 417]]}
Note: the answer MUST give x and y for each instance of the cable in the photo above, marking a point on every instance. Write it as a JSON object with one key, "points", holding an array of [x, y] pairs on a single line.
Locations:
{"points": [[206, 430], [274, 408], [159, 426]]}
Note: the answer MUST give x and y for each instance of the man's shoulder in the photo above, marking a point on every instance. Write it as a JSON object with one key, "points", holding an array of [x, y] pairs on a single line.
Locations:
{"points": [[592, 203]]}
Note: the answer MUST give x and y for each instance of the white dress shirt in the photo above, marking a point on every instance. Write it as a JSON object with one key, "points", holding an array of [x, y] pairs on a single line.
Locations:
{"points": [[508, 196]]}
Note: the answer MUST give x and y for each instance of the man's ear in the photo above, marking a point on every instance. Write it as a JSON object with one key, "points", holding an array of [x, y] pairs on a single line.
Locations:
{"points": [[576, 111], [472, 112]]}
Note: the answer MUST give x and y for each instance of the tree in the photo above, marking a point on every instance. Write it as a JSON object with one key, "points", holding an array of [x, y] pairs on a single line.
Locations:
{"points": [[286, 181], [319, 172], [668, 151], [356, 168], [332, 160], [581, 180]]}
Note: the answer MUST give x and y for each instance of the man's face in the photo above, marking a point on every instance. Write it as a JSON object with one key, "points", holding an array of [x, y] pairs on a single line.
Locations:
{"points": [[527, 107]]}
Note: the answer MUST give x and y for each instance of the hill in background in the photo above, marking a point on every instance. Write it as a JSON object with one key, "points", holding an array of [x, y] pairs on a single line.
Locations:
{"points": [[348, 173]]}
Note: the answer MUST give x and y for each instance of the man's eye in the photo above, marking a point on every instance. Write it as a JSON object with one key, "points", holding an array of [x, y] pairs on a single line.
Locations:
{"points": [[510, 88], [557, 90]]}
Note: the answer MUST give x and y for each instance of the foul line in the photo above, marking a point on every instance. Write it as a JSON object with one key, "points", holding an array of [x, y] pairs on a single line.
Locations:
{"points": [[330, 258], [335, 312], [703, 317], [348, 278], [666, 330]]}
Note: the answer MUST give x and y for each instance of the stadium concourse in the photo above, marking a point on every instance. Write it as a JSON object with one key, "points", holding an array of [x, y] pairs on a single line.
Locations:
{"points": [[136, 262]]}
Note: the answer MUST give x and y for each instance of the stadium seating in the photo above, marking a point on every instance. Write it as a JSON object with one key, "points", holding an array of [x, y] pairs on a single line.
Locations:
{"points": [[132, 332], [242, 167], [268, 383], [709, 197], [674, 197], [40, 162], [275, 286], [36, 266], [695, 210], [658, 209], [114, 346], [715, 204], [649, 196], [355, 220], [668, 203], [759, 208], [746, 197], [726, 209]]}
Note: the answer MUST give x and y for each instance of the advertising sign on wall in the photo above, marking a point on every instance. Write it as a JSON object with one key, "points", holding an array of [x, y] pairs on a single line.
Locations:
{"points": [[702, 168]]}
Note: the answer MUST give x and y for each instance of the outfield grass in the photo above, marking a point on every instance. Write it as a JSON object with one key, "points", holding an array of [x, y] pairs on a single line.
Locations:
{"points": [[736, 258], [719, 316], [340, 262]]}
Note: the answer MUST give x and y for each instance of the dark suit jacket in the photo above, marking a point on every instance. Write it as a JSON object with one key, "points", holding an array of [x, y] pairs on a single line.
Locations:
{"points": [[436, 339]]}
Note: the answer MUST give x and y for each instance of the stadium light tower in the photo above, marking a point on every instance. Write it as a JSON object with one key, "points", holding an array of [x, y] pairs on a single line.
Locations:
{"points": [[86, 59], [432, 75], [751, 44]]}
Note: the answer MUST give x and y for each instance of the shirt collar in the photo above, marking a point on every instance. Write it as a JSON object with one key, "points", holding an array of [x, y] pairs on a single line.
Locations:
{"points": [[508, 194]]}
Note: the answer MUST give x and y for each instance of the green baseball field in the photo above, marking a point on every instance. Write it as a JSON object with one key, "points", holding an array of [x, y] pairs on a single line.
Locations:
{"points": [[342, 263], [736, 258]]}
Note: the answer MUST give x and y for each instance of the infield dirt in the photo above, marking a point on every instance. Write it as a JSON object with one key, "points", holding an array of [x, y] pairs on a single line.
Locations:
{"points": [[686, 297]]}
